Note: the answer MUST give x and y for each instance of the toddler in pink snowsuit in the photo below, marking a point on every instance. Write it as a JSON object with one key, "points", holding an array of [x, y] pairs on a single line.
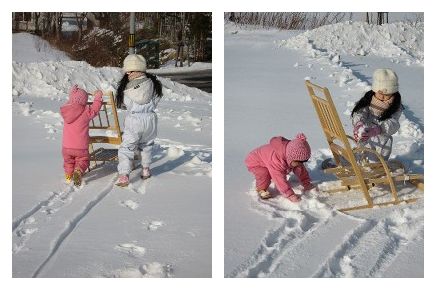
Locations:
{"points": [[275, 161], [75, 137]]}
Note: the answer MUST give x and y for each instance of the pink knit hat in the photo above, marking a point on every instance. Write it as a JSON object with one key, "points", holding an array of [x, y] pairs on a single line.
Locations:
{"points": [[78, 96], [298, 149]]}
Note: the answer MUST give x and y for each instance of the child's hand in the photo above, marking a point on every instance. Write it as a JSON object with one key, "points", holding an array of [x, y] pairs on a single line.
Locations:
{"points": [[359, 131], [370, 132], [98, 95], [374, 131]]}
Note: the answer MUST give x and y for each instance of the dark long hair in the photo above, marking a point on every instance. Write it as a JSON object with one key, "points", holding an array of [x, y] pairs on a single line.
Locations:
{"points": [[157, 87], [365, 101]]}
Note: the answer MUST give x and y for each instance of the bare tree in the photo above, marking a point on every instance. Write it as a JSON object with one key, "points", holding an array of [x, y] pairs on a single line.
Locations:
{"points": [[36, 17], [58, 25], [286, 20], [381, 17], [80, 19]]}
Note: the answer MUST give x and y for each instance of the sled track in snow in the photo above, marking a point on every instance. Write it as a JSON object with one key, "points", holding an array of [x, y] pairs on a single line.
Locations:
{"points": [[275, 245], [391, 249], [278, 242], [361, 241], [332, 265], [72, 225], [35, 209], [31, 212]]}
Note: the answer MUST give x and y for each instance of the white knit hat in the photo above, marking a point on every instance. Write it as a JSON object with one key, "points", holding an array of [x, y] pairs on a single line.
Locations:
{"points": [[134, 62], [385, 80]]}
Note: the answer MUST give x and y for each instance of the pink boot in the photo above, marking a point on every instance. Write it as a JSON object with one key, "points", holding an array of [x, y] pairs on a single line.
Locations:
{"points": [[123, 181], [146, 173]]}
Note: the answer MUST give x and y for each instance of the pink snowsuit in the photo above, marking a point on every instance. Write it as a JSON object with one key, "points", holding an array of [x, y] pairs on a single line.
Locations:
{"points": [[269, 162], [75, 137]]}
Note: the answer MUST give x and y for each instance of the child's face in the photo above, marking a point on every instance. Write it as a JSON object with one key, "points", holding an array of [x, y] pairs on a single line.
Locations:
{"points": [[383, 97]]}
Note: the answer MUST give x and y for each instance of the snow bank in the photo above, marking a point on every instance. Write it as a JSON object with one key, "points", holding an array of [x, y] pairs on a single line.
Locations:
{"points": [[169, 67], [54, 79], [399, 40], [31, 48]]}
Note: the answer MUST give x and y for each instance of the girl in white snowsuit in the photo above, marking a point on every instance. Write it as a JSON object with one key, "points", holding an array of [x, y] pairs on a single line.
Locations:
{"points": [[376, 116], [140, 92]]}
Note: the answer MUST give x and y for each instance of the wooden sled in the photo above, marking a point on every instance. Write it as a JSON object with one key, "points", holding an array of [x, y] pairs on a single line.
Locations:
{"points": [[104, 129], [353, 169]]}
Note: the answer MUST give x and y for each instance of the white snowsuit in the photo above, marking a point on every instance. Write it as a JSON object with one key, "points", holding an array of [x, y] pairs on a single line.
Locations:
{"points": [[140, 124], [381, 143]]}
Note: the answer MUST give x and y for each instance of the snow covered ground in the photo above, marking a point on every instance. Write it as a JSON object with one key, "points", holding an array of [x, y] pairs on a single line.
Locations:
{"points": [[169, 67], [155, 228], [265, 96]]}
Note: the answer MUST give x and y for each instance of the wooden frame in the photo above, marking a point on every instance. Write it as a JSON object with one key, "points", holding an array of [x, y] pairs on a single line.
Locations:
{"points": [[352, 168], [107, 120]]}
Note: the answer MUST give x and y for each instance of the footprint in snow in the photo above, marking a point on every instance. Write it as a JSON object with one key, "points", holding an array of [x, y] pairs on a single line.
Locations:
{"points": [[29, 220], [133, 205], [25, 232], [131, 249], [154, 225], [150, 270], [156, 270]]}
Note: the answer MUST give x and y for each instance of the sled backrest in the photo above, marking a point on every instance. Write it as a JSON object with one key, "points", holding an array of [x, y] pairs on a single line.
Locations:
{"points": [[330, 123], [105, 127]]}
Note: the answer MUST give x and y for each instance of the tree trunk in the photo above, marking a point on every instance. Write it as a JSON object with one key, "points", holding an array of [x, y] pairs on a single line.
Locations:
{"points": [[37, 15], [58, 25], [80, 19]]}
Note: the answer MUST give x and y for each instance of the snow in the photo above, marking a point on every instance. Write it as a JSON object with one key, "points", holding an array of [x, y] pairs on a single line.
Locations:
{"points": [[169, 67], [30, 48], [160, 227], [398, 41], [265, 96]]}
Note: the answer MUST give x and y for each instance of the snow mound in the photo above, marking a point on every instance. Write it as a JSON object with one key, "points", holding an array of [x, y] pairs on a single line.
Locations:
{"points": [[409, 129], [175, 152], [400, 40], [30, 48], [54, 79]]}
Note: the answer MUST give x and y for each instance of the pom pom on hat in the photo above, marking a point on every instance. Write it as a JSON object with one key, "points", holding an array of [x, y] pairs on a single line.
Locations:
{"points": [[385, 80], [298, 149], [78, 95], [301, 137], [134, 62]]}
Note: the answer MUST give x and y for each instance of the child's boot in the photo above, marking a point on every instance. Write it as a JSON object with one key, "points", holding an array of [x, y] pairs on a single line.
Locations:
{"points": [[146, 173], [123, 181], [264, 194], [68, 178], [77, 177]]}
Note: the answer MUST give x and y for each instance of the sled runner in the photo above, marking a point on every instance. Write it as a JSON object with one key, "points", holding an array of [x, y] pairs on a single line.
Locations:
{"points": [[352, 168], [104, 129]]}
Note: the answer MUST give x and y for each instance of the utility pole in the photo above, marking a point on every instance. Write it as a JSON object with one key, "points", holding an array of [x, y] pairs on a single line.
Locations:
{"points": [[132, 33]]}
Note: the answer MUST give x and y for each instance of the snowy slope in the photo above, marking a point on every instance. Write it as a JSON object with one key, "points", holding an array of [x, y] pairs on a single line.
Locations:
{"points": [[155, 228], [31, 48], [265, 96]]}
